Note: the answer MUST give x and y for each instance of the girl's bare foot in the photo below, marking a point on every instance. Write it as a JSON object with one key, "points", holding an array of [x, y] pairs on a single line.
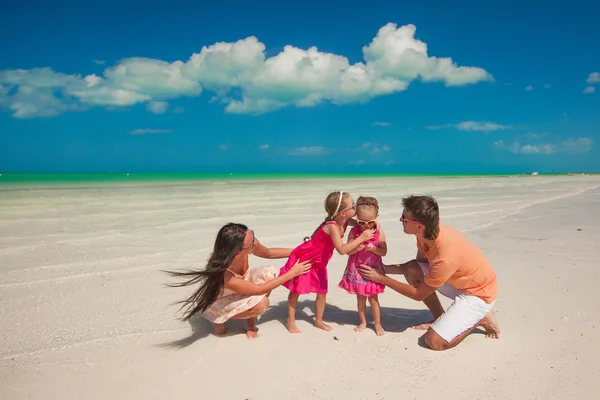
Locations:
{"points": [[291, 327], [360, 327], [492, 330], [323, 325], [422, 327], [220, 329], [251, 329], [379, 330]]}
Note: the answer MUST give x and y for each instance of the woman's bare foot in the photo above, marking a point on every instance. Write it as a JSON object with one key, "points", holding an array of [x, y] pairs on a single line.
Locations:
{"points": [[220, 329], [323, 325], [492, 330], [422, 327], [291, 327], [360, 327], [251, 329], [379, 330]]}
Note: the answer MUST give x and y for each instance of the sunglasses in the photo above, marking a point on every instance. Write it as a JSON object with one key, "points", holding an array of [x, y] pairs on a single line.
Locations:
{"points": [[252, 244], [403, 219], [366, 223]]}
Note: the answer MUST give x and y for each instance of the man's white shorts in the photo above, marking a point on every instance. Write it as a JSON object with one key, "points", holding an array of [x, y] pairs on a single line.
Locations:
{"points": [[463, 314]]}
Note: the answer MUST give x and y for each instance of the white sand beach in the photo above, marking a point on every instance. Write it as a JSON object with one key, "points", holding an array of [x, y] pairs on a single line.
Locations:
{"points": [[85, 313]]}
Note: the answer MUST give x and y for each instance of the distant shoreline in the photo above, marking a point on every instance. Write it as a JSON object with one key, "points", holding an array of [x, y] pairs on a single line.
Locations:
{"points": [[123, 177]]}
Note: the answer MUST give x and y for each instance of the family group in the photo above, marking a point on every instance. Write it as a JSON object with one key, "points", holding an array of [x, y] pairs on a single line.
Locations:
{"points": [[446, 262]]}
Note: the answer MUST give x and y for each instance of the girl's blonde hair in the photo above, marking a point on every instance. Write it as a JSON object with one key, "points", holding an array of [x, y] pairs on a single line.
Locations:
{"points": [[335, 202]]}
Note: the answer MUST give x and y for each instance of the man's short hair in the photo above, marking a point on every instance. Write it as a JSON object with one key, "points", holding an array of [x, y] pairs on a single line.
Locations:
{"points": [[425, 210]]}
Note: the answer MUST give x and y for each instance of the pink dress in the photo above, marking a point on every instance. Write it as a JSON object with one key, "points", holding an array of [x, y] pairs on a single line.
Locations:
{"points": [[352, 281], [319, 251]]}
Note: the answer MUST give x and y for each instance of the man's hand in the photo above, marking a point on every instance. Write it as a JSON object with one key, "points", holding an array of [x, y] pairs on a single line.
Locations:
{"points": [[372, 274]]}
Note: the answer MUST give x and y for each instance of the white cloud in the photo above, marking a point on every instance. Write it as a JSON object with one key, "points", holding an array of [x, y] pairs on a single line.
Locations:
{"points": [[100, 62], [517, 147], [395, 53], [357, 163], [243, 78], [157, 107], [547, 86], [389, 162], [528, 88], [309, 151], [381, 123], [223, 147], [581, 145], [472, 126], [573, 146], [594, 77], [147, 131], [179, 110], [535, 135], [589, 89], [372, 148], [480, 126], [264, 147]]}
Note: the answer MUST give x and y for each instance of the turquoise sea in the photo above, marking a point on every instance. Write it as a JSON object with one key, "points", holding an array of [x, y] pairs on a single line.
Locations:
{"points": [[135, 177]]}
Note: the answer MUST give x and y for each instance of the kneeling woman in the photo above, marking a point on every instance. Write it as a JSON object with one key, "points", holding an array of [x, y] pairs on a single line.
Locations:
{"points": [[228, 288]]}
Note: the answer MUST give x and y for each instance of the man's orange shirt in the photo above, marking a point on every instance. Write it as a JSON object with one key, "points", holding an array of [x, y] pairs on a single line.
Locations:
{"points": [[455, 260]]}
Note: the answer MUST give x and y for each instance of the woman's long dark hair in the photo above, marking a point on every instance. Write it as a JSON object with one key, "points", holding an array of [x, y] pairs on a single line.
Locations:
{"points": [[229, 242]]}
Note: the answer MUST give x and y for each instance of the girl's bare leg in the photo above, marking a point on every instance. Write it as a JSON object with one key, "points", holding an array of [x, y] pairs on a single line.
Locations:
{"points": [[291, 320], [361, 303], [320, 309], [376, 311]]}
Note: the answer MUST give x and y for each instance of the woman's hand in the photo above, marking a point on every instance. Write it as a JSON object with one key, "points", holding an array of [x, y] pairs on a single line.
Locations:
{"points": [[300, 268], [371, 274]]}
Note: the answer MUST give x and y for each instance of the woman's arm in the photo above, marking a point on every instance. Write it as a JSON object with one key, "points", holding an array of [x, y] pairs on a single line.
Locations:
{"points": [[333, 231], [245, 287], [270, 252]]}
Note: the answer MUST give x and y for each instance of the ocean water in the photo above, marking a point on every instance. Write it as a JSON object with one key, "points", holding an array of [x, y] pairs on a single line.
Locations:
{"points": [[141, 177]]}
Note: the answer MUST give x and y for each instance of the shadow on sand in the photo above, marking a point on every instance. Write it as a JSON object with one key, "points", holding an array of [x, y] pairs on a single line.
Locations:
{"points": [[394, 320]]}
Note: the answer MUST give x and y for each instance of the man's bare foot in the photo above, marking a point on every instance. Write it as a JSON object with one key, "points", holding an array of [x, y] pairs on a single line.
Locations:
{"points": [[379, 330], [323, 325], [291, 327], [251, 329], [492, 330], [220, 329], [360, 327], [422, 327]]}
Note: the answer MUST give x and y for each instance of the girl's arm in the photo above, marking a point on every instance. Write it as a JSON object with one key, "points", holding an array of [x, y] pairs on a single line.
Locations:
{"points": [[245, 287], [342, 248], [381, 250], [356, 250]]}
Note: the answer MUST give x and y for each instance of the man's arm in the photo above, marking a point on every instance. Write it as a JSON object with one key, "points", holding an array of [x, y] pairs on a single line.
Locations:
{"points": [[418, 294], [270, 252], [392, 269], [420, 257]]}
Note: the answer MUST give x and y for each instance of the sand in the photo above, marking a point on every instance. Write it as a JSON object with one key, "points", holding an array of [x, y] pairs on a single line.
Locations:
{"points": [[85, 314]]}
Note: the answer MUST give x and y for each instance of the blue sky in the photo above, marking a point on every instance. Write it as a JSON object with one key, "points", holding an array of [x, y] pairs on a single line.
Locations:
{"points": [[326, 86]]}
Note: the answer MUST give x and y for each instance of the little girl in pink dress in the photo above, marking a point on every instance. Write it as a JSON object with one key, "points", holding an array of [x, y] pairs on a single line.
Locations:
{"points": [[368, 253], [318, 250]]}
